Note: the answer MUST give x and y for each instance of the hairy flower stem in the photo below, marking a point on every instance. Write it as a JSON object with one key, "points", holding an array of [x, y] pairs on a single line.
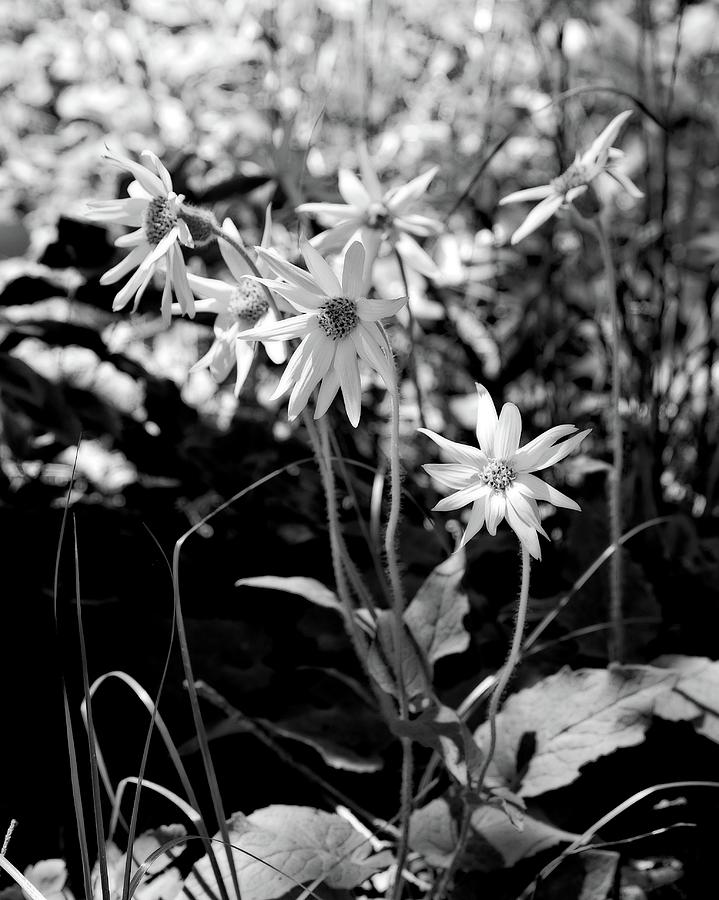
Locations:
{"points": [[390, 546], [220, 234], [445, 882], [412, 359], [614, 485], [321, 445]]}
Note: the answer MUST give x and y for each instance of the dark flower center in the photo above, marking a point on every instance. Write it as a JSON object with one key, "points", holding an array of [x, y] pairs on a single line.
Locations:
{"points": [[498, 474], [575, 176], [160, 219], [338, 317], [248, 302]]}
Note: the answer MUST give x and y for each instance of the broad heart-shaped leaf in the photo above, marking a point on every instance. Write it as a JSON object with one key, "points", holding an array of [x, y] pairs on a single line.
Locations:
{"points": [[287, 845], [571, 719], [309, 588], [381, 660], [435, 614], [440, 728], [434, 629], [494, 842], [695, 695]]}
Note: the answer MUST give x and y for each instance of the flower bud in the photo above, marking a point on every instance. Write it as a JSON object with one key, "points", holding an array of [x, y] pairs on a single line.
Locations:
{"points": [[201, 224]]}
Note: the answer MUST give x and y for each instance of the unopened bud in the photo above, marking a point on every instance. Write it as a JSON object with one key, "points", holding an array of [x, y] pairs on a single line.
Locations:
{"points": [[201, 224]]}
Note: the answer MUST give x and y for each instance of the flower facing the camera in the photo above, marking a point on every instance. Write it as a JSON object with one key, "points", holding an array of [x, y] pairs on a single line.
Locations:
{"points": [[575, 184], [337, 326], [238, 306], [496, 476], [153, 209], [375, 214]]}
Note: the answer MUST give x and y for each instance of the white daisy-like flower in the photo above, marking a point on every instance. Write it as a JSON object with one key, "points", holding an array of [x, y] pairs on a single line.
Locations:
{"points": [[600, 158], [496, 477], [153, 209], [238, 307], [374, 214], [338, 326]]}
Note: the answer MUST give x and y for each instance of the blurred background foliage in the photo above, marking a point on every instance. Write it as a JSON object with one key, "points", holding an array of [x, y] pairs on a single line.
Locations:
{"points": [[256, 102]]}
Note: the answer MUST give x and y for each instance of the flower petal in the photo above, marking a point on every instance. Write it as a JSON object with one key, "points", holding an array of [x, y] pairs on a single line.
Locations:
{"points": [[147, 179], [179, 280], [459, 453], [353, 191], [402, 197], [509, 430], [626, 182], [293, 367], [495, 511], [372, 309], [284, 330], [320, 270], [327, 393], [320, 353], [369, 174], [476, 518], [232, 257], [533, 193], [526, 456], [555, 454], [130, 262], [601, 144], [462, 497], [210, 289], [244, 357], [330, 214], [451, 475], [336, 238], [353, 272], [419, 225], [291, 273], [540, 490], [524, 531], [348, 371], [487, 421], [159, 168], [415, 257], [538, 216], [371, 352]]}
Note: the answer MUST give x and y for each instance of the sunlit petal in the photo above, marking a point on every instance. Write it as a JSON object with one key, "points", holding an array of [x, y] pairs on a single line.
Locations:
{"points": [[487, 421], [509, 430], [353, 191], [451, 475], [538, 216], [458, 453], [533, 193]]}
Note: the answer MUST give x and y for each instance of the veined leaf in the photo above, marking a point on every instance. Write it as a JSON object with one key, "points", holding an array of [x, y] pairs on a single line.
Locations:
{"points": [[290, 845], [572, 718]]}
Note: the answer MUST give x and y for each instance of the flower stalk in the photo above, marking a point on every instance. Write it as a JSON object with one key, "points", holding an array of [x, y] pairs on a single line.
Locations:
{"points": [[614, 484], [508, 668]]}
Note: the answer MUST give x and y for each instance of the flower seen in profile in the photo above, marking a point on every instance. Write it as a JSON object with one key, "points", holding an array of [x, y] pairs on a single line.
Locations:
{"points": [[238, 306], [496, 477], [562, 191], [338, 326], [374, 214], [153, 210]]}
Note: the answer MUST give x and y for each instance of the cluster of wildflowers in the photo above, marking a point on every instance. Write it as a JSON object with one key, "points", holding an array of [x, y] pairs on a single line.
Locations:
{"points": [[337, 324]]}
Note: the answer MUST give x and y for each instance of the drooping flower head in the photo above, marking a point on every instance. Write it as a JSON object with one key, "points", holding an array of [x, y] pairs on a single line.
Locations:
{"points": [[338, 326], [153, 210], [568, 187], [239, 305], [375, 214], [496, 477]]}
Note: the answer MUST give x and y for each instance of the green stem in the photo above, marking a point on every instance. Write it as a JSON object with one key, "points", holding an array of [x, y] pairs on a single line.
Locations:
{"points": [[614, 486], [445, 883], [412, 359], [390, 546]]}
